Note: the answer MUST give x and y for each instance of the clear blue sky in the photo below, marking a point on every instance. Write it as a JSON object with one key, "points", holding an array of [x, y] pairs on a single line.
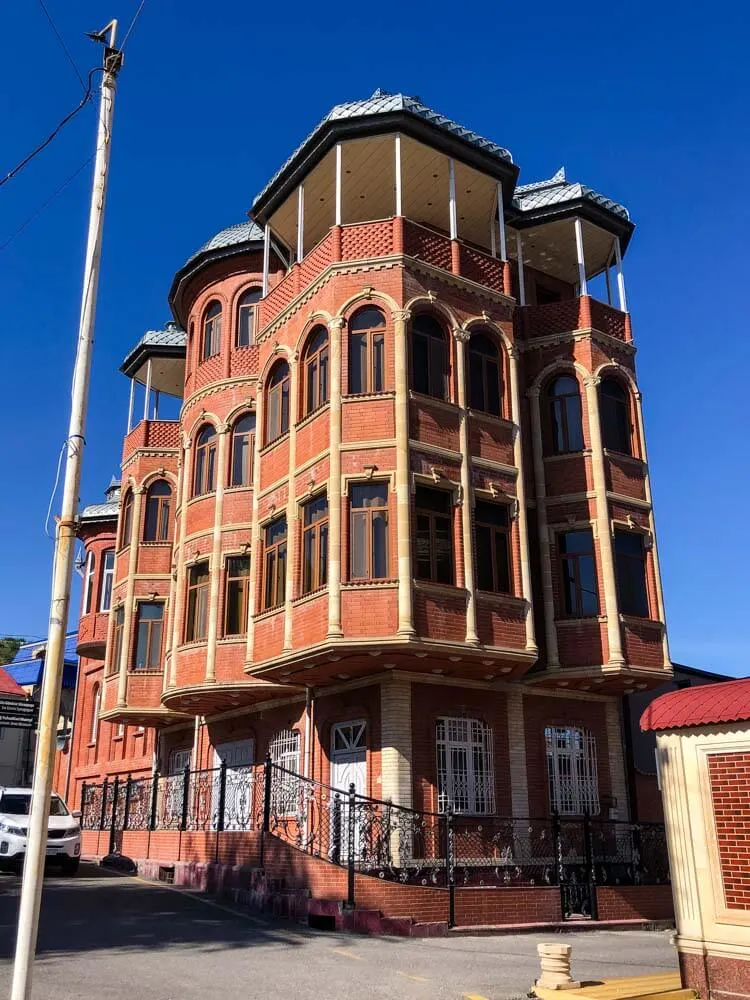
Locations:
{"points": [[646, 102]]}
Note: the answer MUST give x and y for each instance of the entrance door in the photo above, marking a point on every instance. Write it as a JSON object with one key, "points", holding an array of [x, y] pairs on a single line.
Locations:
{"points": [[240, 795], [348, 766]]}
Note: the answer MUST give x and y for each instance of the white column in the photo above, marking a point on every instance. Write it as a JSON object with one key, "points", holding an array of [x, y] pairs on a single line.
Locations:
{"points": [[397, 174], [300, 222], [472, 637], [215, 567], [453, 215], [179, 602], [521, 282], [583, 288], [335, 327], [338, 183], [292, 518], [501, 223], [403, 493], [266, 257], [131, 401], [147, 397], [620, 278], [523, 514], [545, 556], [255, 550]]}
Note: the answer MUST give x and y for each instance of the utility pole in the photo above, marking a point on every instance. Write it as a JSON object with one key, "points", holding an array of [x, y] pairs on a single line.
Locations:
{"points": [[36, 848]]}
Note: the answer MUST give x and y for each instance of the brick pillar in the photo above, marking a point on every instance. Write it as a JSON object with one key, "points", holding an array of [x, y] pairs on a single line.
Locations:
{"points": [[291, 504], [335, 327], [615, 745], [519, 779], [398, 234], [336, 243], [523, 514], [507, 278], [540, 483], [395, 740], [403, 493], [584, 312], [455, 257]]}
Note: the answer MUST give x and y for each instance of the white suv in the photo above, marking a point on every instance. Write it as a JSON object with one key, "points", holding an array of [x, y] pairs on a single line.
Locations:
{"points": [[63, 831]]}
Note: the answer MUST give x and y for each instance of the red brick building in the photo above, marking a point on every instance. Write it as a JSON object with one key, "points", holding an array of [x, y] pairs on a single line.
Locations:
{"points": [[401, 534]]}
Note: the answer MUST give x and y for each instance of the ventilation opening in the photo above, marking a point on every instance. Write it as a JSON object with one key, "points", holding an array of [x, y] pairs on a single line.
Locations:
{"points": [[166, 874], [321, 922]]}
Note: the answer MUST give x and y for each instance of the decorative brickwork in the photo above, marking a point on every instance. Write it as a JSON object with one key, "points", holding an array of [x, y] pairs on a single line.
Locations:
{"points": [[729, 775]]}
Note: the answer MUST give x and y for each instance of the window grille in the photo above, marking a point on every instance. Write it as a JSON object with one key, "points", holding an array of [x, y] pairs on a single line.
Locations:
{"points": [[571, 771], [285, 792], [465, 768]]}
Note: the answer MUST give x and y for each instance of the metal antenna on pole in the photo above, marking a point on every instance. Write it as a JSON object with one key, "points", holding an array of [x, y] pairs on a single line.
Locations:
{"points": [[33, 869]]}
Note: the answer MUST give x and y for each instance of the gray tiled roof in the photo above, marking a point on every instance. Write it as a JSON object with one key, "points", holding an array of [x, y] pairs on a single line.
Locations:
{"points": [[170, 336], [556, 191], [243, 232], [382, 103], [99, 511]]}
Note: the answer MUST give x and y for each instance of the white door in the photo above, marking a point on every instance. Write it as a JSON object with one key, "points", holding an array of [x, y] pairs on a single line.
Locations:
{"points": [[348, 766], [240, 795]]}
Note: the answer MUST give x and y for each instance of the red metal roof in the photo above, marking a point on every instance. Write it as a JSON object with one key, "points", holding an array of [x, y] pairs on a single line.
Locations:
{"points": [[699, 706], [9, 686]]}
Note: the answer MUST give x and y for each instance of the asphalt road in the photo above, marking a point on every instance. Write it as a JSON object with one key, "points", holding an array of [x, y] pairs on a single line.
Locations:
{"points": [[108, 937]]}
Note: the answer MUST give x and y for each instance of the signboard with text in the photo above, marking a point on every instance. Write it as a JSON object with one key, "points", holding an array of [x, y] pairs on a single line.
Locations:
{"points": [[15, 713]]}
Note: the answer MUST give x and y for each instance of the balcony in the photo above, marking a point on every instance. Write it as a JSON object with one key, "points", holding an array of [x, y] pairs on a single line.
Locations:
{"points": [[92, 634], [574, 314], [158, 434], [383, 238]]}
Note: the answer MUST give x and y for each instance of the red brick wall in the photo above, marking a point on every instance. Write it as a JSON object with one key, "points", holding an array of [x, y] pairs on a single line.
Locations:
{"points": [[729, 777]]}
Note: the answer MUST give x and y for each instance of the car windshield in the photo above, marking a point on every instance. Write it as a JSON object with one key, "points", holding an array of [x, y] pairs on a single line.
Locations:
{"points": [[18, 804]]}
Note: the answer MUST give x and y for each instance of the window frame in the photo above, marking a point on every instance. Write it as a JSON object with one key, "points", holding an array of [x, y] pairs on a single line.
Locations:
{"points": [[430, 339], [205, 461], [370, 514], [284, 751], [374, 361], [573, 559], [622, 559], [126, 519], [275, 555], [88, 582], [196, 603], [615, 416], [108, 580], [278, 385], [237, 435], [211, 330], [241, 583], [490, 357], [162, 501], [153, 626], [572, 763], [315, 535], [316, 370], [494, 530], [245, 305], [479, 783], [561, 428], [434, 517], [117, 636], [97, 705]]}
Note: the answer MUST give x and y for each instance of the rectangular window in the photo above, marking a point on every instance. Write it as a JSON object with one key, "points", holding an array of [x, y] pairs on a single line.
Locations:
{"points": [[366, 362], [196, 623], [274, 566], [630, 556], [114, 665], [284, 751], [108, 576], [465, 769], [148, 636], [572, 771], [578, 573], [315, 545], [492, 542], [88, 583], [236, 595], [434, 535], [368, 529]]}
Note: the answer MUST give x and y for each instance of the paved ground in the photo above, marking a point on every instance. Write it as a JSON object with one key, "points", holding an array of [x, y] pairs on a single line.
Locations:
{"points": [[107, 937]]}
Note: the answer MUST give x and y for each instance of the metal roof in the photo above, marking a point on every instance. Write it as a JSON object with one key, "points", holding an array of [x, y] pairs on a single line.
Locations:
{"points": [[27, 666], [100, 511], [172, 338], [383, 103], [558, 190], [243, 232], [705, 705]]}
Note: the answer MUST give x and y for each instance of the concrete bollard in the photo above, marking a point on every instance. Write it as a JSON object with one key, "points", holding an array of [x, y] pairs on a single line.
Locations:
{"points": [[555, 962]]}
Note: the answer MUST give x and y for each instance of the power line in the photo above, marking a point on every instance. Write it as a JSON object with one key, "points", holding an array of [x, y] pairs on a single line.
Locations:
{"points": [[35, 215], [42, 145], [132, 24], [63, 46]]}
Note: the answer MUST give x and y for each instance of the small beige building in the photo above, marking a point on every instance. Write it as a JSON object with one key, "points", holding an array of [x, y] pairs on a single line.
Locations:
{"points": [[703, 760], [15, 762]]}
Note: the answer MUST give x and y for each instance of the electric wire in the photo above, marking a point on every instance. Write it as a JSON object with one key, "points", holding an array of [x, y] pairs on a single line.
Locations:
{"points": [[35, 215], [63, 46], [132, 24], [54, 488], [42, 145]]}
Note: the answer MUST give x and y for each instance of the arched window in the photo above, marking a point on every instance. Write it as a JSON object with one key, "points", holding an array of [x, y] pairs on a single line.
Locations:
{"points": [[158, 503], [465, 768], [367, 351], [243, 446], [126, 519], [484, 388], [108, 576], [205, 461], [97, 704], [88, 583], [429, 357], [277, 420], [571, 771], [614, 408], [316, 370], [245, 333], [566, 425], [211, 343]]}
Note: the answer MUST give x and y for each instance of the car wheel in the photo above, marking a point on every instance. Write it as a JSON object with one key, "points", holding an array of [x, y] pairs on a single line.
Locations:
{"points": [[70, 866]]}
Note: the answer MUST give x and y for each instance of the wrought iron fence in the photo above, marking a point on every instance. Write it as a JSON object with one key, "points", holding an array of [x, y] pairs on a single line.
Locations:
{"points": [[391, 842]]}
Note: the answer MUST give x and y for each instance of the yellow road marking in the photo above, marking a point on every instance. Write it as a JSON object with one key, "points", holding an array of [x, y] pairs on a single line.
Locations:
{"points": [[347, 954], [408, 975]]}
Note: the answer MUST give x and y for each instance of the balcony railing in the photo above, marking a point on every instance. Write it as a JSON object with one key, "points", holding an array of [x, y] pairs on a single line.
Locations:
{"points": [[382, 238], [152, 434], [575, 314]]}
